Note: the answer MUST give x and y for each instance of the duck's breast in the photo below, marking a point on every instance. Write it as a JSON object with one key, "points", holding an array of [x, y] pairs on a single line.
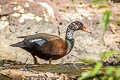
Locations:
{"points": [[55, 47]]}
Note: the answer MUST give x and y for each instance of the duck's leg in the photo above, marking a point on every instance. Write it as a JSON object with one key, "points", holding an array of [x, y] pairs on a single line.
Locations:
{"points": [[35, 59], [50, 60], [26, 66]]}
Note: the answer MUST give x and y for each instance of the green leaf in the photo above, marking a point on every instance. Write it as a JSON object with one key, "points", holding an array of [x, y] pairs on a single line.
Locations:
{"points": [[118, 72], [85, 75], [96, 70], [98, 1], [88, 61], [91, 73], [102, 6], [104, 77], [110, 70], [118, 22], [107, 54], [105, 19], [111, 78]]}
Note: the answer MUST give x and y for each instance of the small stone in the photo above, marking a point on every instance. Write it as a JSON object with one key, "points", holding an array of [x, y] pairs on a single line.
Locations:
{"points": [[19, 7], [45, 17], [16, 14], [28, 16], [3, 24], [21, 20], [14, 8], [21, 10], [26, 5], [37, 18], [30, 0], [4, 18], [89, 18], [14, 2]]}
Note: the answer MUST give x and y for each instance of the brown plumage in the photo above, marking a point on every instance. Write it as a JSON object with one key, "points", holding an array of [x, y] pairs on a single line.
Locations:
{"points": [[50, 47]]}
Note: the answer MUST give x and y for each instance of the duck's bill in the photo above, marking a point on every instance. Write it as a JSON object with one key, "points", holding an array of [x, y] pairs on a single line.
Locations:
{"points": [[84, 29]]}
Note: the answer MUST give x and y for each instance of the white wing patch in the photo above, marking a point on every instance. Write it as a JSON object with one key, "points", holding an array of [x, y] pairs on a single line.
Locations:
{"points": [[39, 42], [34, 40]]}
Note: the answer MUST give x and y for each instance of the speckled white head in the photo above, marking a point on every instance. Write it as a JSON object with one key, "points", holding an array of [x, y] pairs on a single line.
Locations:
{"points": [[74, 26]]}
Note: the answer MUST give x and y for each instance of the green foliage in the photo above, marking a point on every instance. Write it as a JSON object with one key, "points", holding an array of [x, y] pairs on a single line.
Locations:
{"points": [[117, 72], [106, 15], [102, 6], [91, 73], [118, 22], [107, 54], [100, 72], [106, 19], [88, 61], [98, 1], [111, 73], [106, 73], [96, 69]]}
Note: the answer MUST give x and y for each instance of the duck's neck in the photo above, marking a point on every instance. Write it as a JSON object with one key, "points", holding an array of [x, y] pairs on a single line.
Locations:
{"points": [[69, 39]]}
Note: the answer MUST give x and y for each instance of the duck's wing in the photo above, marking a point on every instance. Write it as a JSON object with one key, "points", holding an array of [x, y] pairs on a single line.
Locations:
{"points": [[41, 36], [35, 40]]}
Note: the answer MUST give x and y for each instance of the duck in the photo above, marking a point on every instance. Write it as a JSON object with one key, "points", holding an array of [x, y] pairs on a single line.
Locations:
{"points": [[50, 47]]}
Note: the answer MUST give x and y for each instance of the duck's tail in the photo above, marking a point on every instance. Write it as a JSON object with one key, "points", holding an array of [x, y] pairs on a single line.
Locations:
{"points": [[19, 44], [22, 37]]}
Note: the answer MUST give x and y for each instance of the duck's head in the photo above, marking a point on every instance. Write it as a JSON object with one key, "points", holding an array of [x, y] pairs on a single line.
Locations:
{"points": [[77, 25]]}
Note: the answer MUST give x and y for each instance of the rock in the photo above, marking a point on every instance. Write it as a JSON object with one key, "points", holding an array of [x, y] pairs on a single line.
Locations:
{"points": [[3, 24], [4, 52]]}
